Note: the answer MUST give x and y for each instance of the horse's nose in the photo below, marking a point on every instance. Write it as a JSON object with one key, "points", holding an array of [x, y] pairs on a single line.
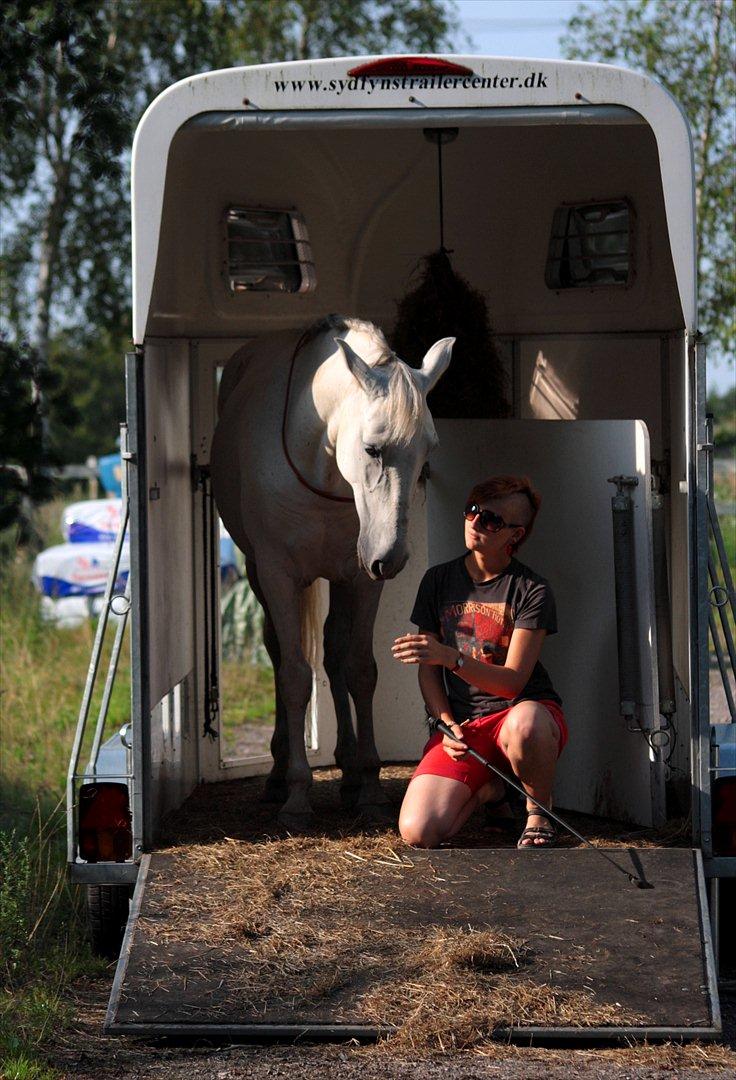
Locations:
{"points": [[383, 569]]}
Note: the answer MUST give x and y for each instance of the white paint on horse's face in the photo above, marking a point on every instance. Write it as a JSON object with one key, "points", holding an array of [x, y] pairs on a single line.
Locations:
{"points": [[381, 448]]}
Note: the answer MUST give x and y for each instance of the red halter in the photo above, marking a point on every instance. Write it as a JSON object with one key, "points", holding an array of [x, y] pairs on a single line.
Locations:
{"points": [[302, 480]]}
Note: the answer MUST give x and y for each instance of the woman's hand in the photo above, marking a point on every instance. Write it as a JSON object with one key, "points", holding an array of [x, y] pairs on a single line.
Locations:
{"points": [[450, 746], [423, 649]]}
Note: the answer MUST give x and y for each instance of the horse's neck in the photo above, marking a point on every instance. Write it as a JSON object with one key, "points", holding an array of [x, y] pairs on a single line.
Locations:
{"points": [[321, 385]]}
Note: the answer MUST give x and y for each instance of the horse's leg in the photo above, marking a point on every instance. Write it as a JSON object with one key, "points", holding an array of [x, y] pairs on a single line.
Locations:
{"points": [[361, 674], [276, 790], [336, 645], [294, 686]]}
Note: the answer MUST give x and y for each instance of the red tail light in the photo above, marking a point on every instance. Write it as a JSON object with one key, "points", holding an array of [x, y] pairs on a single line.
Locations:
{"points": [[408, 65], [105, 832], [723, 795]]}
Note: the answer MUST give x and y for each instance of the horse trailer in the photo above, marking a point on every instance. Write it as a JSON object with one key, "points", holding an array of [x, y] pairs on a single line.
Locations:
{"points": [[265, 197]]}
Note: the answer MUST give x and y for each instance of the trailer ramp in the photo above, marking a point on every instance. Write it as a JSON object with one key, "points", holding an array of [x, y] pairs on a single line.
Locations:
{"points": [[644, 956]]}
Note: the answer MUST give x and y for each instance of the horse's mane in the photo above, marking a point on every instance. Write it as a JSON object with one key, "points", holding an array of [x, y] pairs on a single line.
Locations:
{"points": [[404, 400]]}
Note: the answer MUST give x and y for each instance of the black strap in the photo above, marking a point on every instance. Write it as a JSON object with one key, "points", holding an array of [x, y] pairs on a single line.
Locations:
{"points": [[538, 812], [211, 685]]}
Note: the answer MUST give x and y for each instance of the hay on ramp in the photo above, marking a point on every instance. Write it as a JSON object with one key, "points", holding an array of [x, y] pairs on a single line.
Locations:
{"points": [[322, 925], [444, 305], [327, 928]]}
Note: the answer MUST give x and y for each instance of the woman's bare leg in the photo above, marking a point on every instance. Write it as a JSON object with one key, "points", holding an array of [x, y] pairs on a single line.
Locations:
{"points": [[436, 807], [530, 739]]}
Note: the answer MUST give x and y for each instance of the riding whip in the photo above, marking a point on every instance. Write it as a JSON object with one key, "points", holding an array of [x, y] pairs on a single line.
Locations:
{"points": [[435, 724]]}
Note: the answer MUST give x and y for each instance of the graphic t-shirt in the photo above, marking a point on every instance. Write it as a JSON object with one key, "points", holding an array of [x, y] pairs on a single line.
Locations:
{"points": [[478, 618]]}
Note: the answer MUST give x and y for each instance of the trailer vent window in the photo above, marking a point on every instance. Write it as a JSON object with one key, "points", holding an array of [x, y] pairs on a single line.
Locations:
{"points": [[591, 245], [267, 251]]}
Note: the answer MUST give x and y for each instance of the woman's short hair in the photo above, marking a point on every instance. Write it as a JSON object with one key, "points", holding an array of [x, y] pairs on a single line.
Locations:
{"points": [[500, 487]]}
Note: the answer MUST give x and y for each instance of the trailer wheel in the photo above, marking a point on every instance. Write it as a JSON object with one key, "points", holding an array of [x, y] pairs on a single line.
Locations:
{"points": [[107, 914]]}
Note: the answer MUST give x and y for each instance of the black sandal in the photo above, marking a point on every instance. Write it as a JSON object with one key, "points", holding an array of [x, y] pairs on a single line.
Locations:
{"points": [[497, 822], [547, 833]]}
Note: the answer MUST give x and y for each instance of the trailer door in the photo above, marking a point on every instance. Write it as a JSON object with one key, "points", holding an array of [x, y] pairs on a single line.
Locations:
{"points": [[609, 766]]}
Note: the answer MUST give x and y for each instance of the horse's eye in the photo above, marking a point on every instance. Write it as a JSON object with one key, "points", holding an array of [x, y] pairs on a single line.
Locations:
{"points": [[424, 474], [373, 451]]}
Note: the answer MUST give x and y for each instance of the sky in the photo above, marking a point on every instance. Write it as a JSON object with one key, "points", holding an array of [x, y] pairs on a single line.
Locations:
{"points": [[532, 28]]}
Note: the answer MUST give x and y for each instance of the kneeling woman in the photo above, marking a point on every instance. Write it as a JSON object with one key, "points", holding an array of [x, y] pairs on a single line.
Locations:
{"points": [[482, 621]]}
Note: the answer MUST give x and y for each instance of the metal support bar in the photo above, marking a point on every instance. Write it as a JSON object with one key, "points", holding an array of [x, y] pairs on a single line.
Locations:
{"points": [[721, 593], [627, 614], [663, 611], [721, 549], [135, 372], [720, 600], [699, 447], [111, 673], [123, 615], [722, 665], [92, 670]]}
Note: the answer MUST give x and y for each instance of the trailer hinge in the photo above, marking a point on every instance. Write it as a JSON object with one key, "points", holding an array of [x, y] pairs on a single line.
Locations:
{"points": [[661, 474], [125, 453], [200, 473]]}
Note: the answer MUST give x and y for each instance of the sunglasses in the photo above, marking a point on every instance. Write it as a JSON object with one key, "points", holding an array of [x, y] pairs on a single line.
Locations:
{"points": [[487, 519]]}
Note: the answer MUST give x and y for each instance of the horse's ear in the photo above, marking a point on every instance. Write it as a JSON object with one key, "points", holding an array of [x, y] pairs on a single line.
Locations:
{"points": [[368, 378], [435, 363]]}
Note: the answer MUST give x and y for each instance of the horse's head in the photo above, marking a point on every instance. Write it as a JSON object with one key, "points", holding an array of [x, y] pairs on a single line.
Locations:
{"points": [[383, 442]]}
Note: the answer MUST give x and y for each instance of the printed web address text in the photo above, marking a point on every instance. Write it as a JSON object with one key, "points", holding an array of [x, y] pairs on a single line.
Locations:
{"points": [[366, 85]]}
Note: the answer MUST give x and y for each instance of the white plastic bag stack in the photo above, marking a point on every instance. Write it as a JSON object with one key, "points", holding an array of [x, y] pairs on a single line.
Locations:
{"points": [[72, 576], [78, 569], [91, 521]]}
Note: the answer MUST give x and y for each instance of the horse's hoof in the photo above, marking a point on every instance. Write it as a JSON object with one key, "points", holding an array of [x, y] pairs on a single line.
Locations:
{"points": [[275, 791], [296, 823], [378, 813]]}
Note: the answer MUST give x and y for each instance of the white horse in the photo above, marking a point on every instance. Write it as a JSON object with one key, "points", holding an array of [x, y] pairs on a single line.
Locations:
{"points": [[321, 441]]}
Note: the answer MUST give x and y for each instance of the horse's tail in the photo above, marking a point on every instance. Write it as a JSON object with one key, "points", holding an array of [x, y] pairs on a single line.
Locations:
{"points": [[311, 623]]}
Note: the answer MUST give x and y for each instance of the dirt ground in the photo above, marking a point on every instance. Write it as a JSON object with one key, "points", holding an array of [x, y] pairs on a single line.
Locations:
{"points": [[85, 1053]]}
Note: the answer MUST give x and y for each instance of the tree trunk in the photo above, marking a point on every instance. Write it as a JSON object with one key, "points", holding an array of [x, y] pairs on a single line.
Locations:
{"points": [[58, 156], [706, 132], [48, 262]]}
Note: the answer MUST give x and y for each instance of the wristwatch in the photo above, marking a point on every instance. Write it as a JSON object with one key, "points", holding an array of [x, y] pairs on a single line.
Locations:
{"points": [[458, 663]]}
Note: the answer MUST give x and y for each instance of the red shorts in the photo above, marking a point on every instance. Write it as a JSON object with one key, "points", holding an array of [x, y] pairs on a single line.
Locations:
{"points": [[483, 735]]}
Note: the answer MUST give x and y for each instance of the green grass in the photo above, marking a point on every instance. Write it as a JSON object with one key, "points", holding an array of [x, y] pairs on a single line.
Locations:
{"points": [[246, 696], [43, 942], [247, 708], [43, 939], [43, 680]]}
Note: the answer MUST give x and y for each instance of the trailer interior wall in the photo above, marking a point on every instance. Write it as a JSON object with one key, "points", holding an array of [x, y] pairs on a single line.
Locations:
{"points": [[369, 200], [170, 729]]}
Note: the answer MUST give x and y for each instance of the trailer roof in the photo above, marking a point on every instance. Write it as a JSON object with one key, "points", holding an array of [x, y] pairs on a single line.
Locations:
{"points": [[550, 91]]}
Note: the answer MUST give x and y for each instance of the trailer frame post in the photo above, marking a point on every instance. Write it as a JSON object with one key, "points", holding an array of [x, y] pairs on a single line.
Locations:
{"points": [[699, 599], [140, 690]]}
